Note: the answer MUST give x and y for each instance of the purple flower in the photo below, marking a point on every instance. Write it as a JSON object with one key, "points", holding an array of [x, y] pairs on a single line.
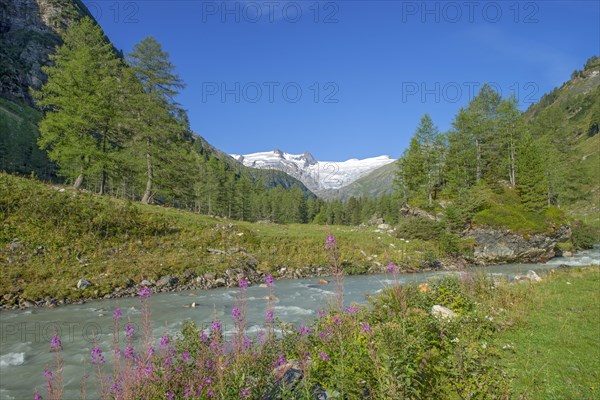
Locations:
{"points": [[185, 356], [203, 337], [145, 293], [324, 356], [269, 280], [245, 393], [246, 343], [352, 309], [337, 320], [321, 313], [47, 374], [281, 361], [115, 388], [187, 392], [129, 351], [391, 268], [150, 351], [169, 395], [330, 242], [366, 328], [55, 343], [304, 330], [129, 331], [244, 283], [215, 326], [97, 356], [164, 341], [236, 314], [37, 396], [117, 314], [269, 316]]}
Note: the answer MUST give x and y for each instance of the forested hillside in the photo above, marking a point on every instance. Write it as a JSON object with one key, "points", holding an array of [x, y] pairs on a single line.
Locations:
{"points": [[109, 123]]}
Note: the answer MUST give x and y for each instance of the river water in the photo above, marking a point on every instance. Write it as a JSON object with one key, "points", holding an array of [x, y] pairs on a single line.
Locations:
{"points": [[25, 335]]}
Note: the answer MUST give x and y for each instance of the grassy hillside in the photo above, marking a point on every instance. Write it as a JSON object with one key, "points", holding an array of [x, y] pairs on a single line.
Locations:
{"points": [[52, 236]]}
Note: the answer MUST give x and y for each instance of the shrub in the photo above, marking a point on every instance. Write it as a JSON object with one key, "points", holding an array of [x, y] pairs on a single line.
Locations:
{"points": [[419, 228], [584, 236]]}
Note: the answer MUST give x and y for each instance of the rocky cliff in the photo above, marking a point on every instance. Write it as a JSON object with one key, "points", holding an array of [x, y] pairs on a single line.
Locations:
{"points": [[498, 246], [29, 32]]}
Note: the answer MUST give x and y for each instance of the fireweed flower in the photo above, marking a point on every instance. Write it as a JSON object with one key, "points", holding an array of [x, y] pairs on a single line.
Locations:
{"points": [[352, 309], [150, 351], [391, 268], [304, 330], [330, 242], [245, 393], [97, 356], [164, 341], [117, 314], [145, 293], [47, 374], [169, 395], [37, 396], [365, 328], [324, 356], [269, 280], [337, 320], [185, 356], [269, 316], [236, 314], [129, 351], [55, 343], [244, 283], [129, 331], [215, 326]]}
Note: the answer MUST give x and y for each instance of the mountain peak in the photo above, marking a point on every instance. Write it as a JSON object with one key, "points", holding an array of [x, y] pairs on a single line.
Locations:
{"points": [[318, 176]]}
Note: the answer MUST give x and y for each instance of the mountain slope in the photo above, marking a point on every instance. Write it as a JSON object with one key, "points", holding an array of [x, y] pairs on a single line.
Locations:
{"points": [[28, 34], [321, 177], [376, 183]]}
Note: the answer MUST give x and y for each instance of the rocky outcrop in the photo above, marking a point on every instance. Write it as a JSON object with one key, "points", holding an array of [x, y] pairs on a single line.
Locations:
{"points": [[497, 246], [28, 34]]}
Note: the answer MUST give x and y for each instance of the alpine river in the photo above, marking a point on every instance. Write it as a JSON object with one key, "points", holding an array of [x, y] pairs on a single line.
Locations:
{"points": [[25, 335]]}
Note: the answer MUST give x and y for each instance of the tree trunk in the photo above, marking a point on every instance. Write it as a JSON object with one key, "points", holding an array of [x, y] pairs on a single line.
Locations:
{"points": [[478, 162], [78, 182], [512, 175], [103, 180], [148, 193]]}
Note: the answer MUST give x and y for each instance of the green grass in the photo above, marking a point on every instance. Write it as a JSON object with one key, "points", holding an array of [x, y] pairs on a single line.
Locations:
{"points": [[65, 235], [557, 346]]}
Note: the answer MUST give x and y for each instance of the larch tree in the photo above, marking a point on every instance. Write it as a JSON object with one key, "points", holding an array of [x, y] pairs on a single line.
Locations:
{"points": [[81, 127]]}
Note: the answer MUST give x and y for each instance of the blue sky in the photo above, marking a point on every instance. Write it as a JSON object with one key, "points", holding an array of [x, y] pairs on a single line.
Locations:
{"points": [[345, 79]]}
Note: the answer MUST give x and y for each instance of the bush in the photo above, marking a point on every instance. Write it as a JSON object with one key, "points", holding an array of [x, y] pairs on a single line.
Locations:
{"points": [[419, 228], [584, 236]]}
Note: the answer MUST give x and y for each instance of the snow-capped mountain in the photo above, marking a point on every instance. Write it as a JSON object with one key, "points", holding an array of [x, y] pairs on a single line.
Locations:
{"points": [[318, 176]]}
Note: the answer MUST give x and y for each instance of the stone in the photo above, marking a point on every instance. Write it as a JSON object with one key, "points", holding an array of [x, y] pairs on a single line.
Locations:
{"points": [[567, 254], [500, 246], [423, 287], [383, 226], [83, 284], [166, 280], [323, 282], [441, 311], [146, 283], [532, 276]]}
